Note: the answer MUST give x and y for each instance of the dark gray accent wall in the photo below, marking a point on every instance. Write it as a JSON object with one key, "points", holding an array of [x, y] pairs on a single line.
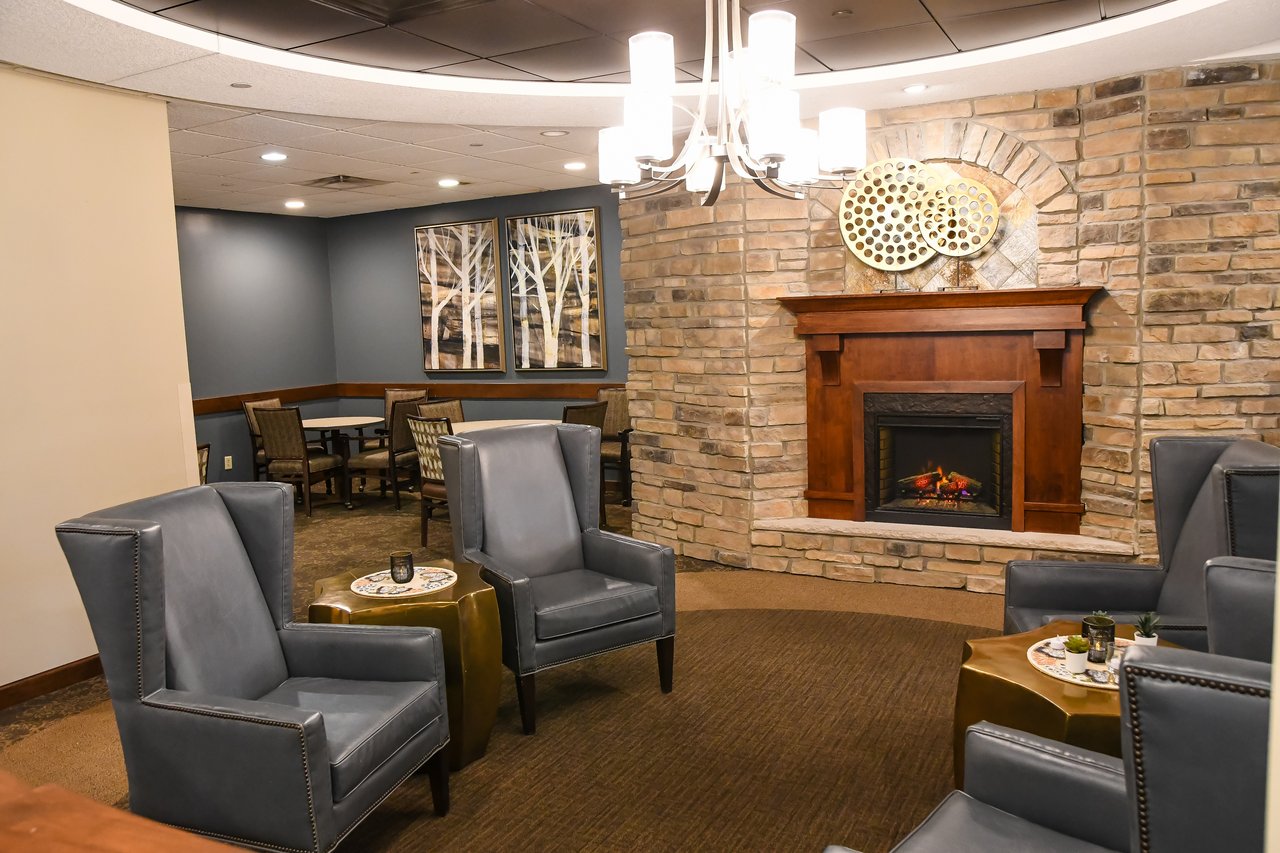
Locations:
{"points": [[256, 299], [376, 308]]}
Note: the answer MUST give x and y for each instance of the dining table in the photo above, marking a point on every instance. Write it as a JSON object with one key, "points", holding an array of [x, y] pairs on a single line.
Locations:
{"points": [[473, 426], [331, 428]]}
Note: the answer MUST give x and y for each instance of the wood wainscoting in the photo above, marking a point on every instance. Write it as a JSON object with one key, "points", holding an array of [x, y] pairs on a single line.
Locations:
{"points": [[1030, 340], [461, 390]]}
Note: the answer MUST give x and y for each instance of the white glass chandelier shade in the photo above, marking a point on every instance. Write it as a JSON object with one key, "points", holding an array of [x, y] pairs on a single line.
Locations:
{"points": [[773, 116], [701, 176], [618, 164], [647, 117], [653, 63], [801, 165], [842, 135], [772, 37]]}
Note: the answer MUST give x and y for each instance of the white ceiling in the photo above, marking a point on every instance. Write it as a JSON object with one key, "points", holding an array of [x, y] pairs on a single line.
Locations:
{"points": [[410, 129]]}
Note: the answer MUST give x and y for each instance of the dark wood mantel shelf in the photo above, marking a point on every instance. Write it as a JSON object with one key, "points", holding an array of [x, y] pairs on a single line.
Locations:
{"points": [[1031, 340]]}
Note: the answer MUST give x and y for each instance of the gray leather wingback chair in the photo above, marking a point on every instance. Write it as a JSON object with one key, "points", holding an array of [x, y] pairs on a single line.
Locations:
{"points": [[1241, 597], [1193, 777], [524, 504], [237, 722], [1213, 497]]}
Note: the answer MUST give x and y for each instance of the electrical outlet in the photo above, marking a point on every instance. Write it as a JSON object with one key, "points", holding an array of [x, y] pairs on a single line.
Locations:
{"points": [[226, 463]]}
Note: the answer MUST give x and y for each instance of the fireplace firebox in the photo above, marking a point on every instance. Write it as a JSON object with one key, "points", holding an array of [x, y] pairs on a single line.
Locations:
{"points": [[939, 459]]}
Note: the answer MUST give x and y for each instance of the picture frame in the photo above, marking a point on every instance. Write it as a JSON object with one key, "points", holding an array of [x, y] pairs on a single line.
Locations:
{"points": [[458, 282], [556, 290]]}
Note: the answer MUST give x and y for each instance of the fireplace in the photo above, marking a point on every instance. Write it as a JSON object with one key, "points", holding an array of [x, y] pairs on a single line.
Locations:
{"points": [[939, 459]]}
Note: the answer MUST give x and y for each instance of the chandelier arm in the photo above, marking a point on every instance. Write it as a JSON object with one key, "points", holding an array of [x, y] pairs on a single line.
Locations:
{"points": [[768, 186], [716, 184], [628, 194]]}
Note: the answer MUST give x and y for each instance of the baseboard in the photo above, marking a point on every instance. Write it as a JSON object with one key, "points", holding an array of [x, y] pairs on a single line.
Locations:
{"points": [[49, 680]]}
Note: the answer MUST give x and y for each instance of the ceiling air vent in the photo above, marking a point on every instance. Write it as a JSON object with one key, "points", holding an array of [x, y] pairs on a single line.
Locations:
{"points": [[342, 182]]}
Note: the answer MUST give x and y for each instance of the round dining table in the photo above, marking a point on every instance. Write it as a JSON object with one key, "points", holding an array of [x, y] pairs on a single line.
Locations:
{"points": [[330, 429], [473, 426]]}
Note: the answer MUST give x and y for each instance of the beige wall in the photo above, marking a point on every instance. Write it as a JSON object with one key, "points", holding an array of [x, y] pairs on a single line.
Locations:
{"points": [[91, 341]]}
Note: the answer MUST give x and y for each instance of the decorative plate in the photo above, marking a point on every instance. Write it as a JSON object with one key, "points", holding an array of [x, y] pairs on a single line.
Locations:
{"points": [[880, 214], [426, 579], [958, 216], [1053, 663]]}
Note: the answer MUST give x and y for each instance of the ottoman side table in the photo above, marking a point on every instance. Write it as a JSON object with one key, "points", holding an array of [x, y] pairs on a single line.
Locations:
{"points": [[467, 616]]}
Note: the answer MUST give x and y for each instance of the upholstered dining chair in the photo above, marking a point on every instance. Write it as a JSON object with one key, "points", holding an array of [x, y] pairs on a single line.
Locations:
{"points": [[523, 504], [445, 408], [391, 396], [1214, 497], [1193, 777], [237, 722], [290, 459], [202, 461], [431, 490], [591, 414], [251, 408], [396, 457], [615, 438]]}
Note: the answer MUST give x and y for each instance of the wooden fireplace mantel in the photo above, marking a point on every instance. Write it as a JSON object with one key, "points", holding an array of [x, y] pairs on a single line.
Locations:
{"points": [[1029, 338]]}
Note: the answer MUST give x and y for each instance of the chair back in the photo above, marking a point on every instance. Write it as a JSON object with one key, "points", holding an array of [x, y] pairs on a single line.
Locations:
{"points": [[282, 436], [591, 414], [202, 462], [1195, 749], [1240, 594], [251, 408], [451, 409], [391, 396], [617, 416], [173, 598], [426, 432], [401, 437], [1214, 497], [523, 494]]}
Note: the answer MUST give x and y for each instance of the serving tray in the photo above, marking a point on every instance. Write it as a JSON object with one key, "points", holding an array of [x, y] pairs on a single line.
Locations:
{"points": [[1054, 663], [426, 579]]}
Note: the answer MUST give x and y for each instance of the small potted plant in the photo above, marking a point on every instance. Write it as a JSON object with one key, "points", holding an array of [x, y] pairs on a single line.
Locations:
{"points": [[1147, 625], [1098, 629], [1077, 653]]}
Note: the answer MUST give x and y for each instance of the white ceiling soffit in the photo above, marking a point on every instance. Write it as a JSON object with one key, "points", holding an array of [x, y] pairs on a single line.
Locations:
{"points": [[108, 42]]}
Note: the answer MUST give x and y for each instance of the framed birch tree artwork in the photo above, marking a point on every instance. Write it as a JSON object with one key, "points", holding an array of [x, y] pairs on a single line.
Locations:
{"points": [[461, 306], [557, 306]]}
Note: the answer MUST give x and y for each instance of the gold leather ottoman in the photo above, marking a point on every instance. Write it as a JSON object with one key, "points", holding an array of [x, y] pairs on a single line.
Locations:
{"points": [[998, 684], [467, 616]]}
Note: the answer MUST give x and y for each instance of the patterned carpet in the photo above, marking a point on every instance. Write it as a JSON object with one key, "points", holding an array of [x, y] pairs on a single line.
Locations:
{"points": [[787, 730]]}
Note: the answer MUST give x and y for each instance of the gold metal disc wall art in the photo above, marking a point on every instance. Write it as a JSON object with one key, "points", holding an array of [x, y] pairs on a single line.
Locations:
{"points": [[880, 214], [960, 215], [899, 213]]}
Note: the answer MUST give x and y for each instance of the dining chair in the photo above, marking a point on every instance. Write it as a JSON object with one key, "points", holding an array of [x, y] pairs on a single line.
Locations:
{"points": [[426, 432], [615, 438], [290, 459], [447, 408], [251, 408], [397, 455], [591, 414], [202, 461]]}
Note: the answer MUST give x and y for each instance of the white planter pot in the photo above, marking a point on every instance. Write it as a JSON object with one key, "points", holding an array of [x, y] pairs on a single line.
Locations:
{"points": [[1077, 662], [1146, 641]]}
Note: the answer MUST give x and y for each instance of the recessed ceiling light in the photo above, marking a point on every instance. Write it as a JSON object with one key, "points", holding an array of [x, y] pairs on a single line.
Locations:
{"points": [[555, 133], [241, 85], [575, 166], [275, 156], [915, 88], [841, 13], [448, 183], [295, 204]]}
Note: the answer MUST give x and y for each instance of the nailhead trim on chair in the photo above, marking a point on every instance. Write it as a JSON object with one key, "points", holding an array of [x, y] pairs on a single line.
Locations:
{"points": [[1135, 724]]}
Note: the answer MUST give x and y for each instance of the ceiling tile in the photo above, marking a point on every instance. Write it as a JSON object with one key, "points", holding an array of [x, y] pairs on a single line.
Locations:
{"points": [[1112, 8], [278, 23], [264, 130], [975, 31], [213, 166], [575, 60], [580, 139], [476, 144], [387, 48], [339, 142], [805, 64], [280, 174], [502, 26], [959, 8], [403, 131], [190, 142], [331, 122], [188, 114], [405, 155], [486, 68], [881, 47], [815, 19]]}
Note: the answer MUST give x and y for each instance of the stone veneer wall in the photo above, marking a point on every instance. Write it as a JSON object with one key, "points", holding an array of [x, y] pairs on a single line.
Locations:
{"points": [[1164, 187]]}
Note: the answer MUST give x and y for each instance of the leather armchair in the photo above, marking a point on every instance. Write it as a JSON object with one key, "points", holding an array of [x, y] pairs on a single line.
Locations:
{"points": [[1193, 777], [1241, 596], [237, 722], [524, 504], [1213, 497]]}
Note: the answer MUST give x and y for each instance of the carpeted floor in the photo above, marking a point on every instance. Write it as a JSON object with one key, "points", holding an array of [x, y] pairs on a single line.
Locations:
{"points": [[800, 717]]}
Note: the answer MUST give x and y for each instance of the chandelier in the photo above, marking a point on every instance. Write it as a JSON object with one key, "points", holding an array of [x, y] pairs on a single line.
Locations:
{"points": [[747, 119]]}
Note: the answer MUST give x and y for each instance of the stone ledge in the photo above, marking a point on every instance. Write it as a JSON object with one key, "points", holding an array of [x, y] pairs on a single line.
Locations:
{"points": [[952, 535]]}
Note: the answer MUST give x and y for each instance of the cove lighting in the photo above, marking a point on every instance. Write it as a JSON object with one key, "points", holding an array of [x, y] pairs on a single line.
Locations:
{"points": [[275, 156], [295, 204]]}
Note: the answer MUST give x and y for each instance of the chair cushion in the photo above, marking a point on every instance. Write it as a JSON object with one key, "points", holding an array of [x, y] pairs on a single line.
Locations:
{"points": [[313, 449], [373, 460], [365, 722], [579, 600], [319, 462], [961, 824]]}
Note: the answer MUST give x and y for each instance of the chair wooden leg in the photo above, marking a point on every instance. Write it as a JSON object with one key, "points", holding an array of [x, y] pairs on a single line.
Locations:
{"points": [[525, 693], [395, 484], [666, 662], [438, 773], [306, 493], [426, 516]]}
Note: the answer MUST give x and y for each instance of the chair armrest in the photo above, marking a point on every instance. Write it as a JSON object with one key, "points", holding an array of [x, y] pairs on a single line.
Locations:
{"points": [[1066, 587], [363, 652], [1033, 777], [515, 608], [637, 561], [235, 767]]}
